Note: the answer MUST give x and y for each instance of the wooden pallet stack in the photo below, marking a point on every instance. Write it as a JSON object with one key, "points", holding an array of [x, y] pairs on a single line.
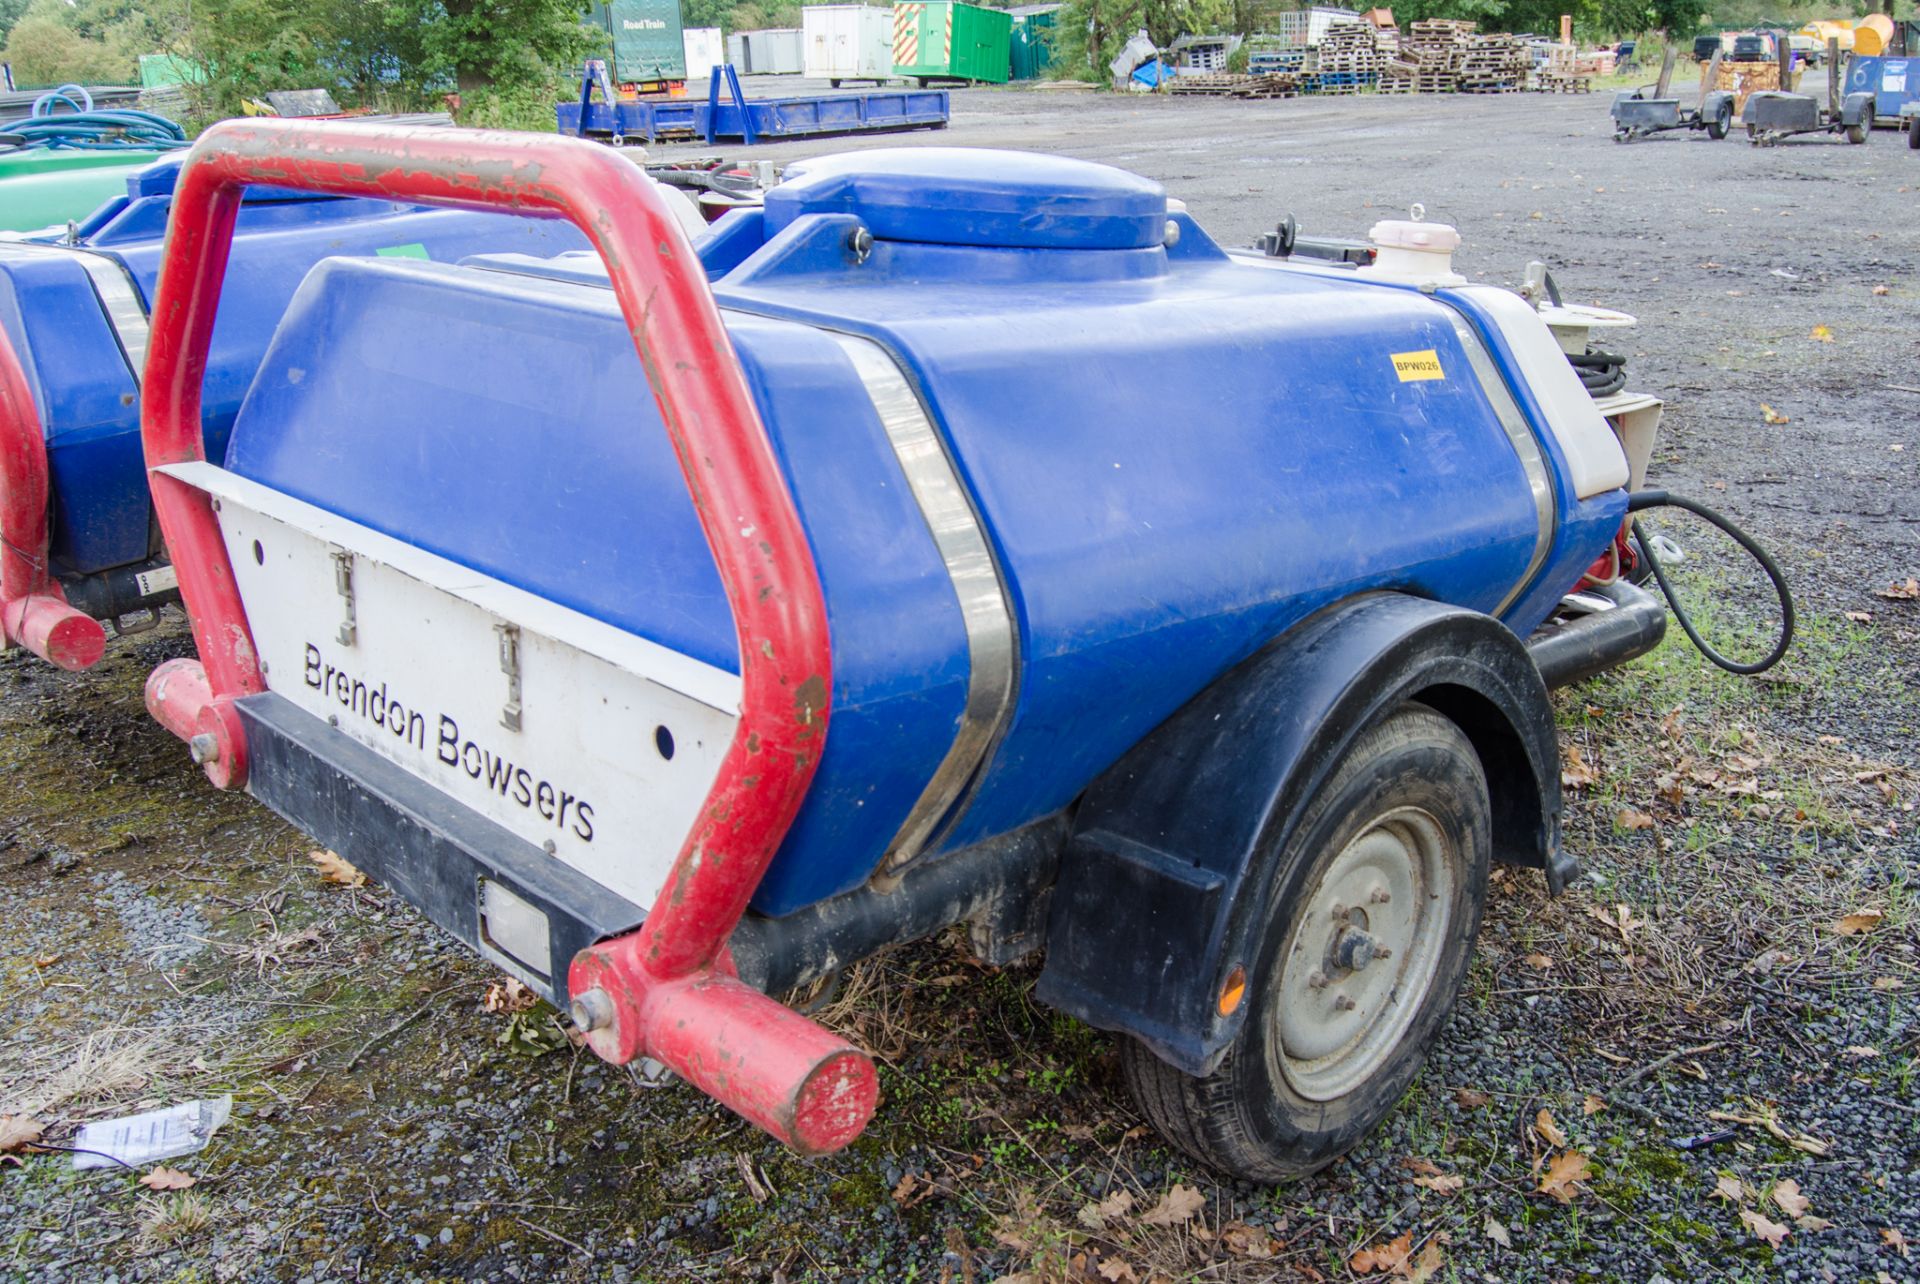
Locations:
{"points": [[1266, 85], [1493, 64], [1436, 47], [1349, 59], [1567, 72]]}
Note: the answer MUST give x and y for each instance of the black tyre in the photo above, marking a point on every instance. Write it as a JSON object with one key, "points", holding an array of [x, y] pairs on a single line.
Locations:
{"points": [[1857, 134], [1376, 899], [1722, 121], [834, 83], [1913, 133]]}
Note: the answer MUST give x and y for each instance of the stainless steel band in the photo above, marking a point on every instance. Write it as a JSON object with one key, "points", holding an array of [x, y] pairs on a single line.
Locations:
{"points": [[985, 607], [118, 298]]}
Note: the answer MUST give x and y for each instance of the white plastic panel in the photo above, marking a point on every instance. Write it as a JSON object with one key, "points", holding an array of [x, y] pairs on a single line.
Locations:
{"points": [[1593, 452], [412, 666]]}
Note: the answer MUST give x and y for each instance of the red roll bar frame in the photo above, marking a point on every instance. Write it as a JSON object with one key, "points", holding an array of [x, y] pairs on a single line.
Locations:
{"points": [[666, 990], [33, 610]]}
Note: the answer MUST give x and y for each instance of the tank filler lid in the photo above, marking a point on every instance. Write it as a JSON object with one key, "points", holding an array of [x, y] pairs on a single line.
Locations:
{"points": [[976, 196]]}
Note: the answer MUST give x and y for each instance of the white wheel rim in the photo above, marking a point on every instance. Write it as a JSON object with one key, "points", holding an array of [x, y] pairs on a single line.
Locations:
{"points": [[1358, 965]]}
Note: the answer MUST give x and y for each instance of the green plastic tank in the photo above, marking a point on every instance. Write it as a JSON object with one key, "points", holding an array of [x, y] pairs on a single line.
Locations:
{"points": [[944, 41], [41, 187]]}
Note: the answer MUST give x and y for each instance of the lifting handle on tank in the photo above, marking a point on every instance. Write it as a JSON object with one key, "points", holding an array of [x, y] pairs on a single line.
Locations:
{"points": [[666, 990], [33, 611]]}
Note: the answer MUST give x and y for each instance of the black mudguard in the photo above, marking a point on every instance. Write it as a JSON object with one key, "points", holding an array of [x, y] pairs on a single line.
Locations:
{"points": [[1856, 109], [1166, 875]]}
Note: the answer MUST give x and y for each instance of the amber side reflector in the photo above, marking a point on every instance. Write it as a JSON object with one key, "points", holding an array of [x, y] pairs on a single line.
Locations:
{"points": [[1233, 991]]}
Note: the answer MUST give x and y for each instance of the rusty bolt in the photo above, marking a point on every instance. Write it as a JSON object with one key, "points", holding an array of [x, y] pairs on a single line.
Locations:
{"points": [[1317, 979], [204, 748], [1344, 1003], [591, 1010], [1339, 912], [1380, 896], [1382, 952]]}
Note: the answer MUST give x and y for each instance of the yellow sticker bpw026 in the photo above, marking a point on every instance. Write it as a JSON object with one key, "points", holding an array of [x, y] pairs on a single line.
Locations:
{"points": [[1411, 366]]}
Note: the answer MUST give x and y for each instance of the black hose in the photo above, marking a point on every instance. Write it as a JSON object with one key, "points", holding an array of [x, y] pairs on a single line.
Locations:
{"points": [[1601, 373], [1645, 499]]}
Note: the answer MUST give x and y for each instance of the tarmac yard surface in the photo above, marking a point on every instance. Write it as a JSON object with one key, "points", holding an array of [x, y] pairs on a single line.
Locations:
{"points": [[1737, 970]]}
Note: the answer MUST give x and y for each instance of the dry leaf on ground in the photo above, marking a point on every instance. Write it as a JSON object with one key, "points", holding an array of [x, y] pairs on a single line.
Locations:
{"points": [[1769, 415], [1497, 1232], [1442, 1184], [1898, 592], [1592, 1105], [1117, 1270], [1730, 1188], [17, 1132], [509, 995], [1772, 1232], [1177, 1206], [1543, 1123], [337, 869], [1893, 1239], [1564, 1175], [165, 1178], [1631, 820], [1811, 1224], [1822, 334], [1539, 962], [1575, 771], [1859, 923], [1470, 1098], [1097, 1216], [1388, 1255], [1249, 1242], [1787, 1198]]}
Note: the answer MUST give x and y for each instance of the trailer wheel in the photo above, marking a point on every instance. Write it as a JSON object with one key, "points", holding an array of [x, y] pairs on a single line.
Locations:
{"points": [[1858, 133], [1374, 905], [1913, 133], [1722, 121]]}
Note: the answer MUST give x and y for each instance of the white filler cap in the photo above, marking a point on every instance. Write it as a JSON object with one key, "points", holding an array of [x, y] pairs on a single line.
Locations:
{"points": [[1412, 251]]}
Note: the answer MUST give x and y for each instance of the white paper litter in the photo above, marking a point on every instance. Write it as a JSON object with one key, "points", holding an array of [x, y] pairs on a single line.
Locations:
{"points": [[139, 1140]]}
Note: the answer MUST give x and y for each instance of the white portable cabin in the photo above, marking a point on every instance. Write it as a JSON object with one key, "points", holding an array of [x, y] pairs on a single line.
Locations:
{"points": [[705, 50], [848, 42], [774, 52]]}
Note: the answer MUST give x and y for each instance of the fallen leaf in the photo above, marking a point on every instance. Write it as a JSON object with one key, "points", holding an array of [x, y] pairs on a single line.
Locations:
{"points": [[1429, 1262], [1886, 982], [1898, 592], [1575, 773], [1564, 1175], [1632, 820], [1859, 923], [1388, 1255], [1730, 1188], [1592, 1105], [1497, 1232], [1176, 1207], [1539, 962], [1112, 1208], [1769, 415], [1247, 1241], [1470, 1098], [46, 960], [1772, 1232], [1862, 1052], [1442, 1183], [1879, 291], [1893, 1239], [1544, 1124], [1787, 1198], [165, 1178], [1620, 920], [1812, 1223], [1822, 334], [1118, 1271], [509, 995], [1425, 1167], [335, 869], [1860, 617], [17, 1132]]}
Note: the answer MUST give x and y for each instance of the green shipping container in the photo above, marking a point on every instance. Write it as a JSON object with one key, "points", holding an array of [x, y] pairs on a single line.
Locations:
{"points": [[945, 41], [645, 37], [1031, 52], [43, 187]]}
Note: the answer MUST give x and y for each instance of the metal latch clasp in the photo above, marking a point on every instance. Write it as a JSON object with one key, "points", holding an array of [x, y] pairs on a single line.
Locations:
{"points": [[510, 665], [343, 585]]}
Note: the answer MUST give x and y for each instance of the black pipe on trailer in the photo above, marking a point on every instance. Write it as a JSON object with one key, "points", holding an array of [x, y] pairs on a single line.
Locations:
{"points": [[1566, 651]]}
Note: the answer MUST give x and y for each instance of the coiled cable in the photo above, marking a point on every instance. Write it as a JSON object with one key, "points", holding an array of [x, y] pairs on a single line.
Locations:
{"points": [[82, 128]]}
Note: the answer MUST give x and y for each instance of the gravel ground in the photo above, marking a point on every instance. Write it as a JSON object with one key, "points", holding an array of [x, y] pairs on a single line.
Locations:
{"points": [[161, 942]]}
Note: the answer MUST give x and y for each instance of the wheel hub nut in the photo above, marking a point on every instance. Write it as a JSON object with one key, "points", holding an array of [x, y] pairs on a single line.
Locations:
{"points": [[1354, 949], [592, 1010], [1344, 1002]]}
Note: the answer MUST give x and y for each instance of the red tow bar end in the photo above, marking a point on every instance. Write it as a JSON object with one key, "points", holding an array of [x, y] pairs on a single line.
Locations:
{"points": [[180, 699], [54, 631], [792, 1077]]}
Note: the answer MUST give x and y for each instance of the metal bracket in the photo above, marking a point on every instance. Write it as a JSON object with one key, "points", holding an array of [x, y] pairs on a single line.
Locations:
{"points": [[510, 665], [343, 585]]}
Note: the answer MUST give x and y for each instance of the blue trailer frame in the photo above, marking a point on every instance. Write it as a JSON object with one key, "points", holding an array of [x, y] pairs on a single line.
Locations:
{"points": [[755, 119], [1893, 82]]}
